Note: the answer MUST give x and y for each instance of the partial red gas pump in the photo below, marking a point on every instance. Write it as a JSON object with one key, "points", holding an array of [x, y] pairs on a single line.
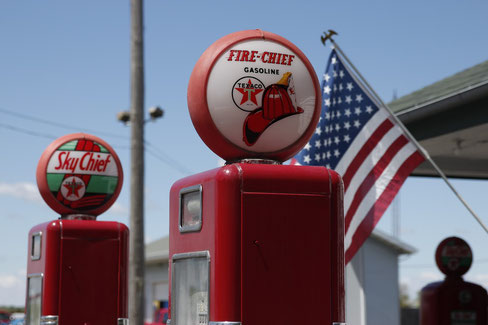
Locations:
{"points": [[453, 301], [77, 266], [256, 242]]}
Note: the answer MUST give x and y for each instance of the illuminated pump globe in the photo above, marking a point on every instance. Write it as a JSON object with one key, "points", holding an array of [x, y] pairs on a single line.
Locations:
{"points": [[253, 94]]}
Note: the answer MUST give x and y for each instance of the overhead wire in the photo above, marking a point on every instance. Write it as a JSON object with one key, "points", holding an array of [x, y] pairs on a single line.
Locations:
{"points": [[59, 125], [154, 151], [26, 131]]}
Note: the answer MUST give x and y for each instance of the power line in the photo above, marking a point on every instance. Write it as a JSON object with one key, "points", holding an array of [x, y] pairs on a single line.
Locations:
{"points": [[166, 159], [59, 125], [26, 131], [155, 152]]}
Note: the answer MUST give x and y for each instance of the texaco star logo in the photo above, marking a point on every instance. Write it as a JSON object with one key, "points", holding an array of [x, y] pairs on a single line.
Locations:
{"points": [[247, 93], [73, 188], [453, 264]]}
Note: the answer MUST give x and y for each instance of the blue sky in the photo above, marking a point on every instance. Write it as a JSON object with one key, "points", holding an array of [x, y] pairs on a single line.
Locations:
{"points": [[64, 68]]}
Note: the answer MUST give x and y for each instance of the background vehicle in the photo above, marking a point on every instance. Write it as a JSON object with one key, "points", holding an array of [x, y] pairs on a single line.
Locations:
{"points": [[160, 317], [4, 317], [17, 319]]}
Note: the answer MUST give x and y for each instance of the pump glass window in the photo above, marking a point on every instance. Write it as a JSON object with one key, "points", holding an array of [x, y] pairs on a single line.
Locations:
{"points": [[34, 299], [190, 285], [191, 209], [36, 246]]}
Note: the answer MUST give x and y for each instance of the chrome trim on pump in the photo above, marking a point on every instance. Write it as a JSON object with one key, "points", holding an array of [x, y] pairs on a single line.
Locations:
{"points": [[49, 320], [28, 302], [79, 216], [34, 235], [224, 323], [191, 255], [122, 321], [338, 323], [181, 256], [254, 161], [190, 228]]}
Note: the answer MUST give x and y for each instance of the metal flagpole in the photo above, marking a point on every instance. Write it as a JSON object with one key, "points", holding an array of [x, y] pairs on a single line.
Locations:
{"points": [[407, 132]]}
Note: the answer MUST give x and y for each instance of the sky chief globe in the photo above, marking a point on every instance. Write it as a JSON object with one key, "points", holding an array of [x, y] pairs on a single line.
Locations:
{"points": [[79, 174]]}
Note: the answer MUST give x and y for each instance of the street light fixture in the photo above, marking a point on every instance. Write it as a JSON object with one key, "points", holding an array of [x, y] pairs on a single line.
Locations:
{"points": [[155, 112]]}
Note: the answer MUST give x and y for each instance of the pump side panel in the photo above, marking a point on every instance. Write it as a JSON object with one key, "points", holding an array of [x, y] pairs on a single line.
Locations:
{"points": [[429, 313], [453, 301], [90, 272], [47, 265], [462, 302], [220, 236], [286, 259]]}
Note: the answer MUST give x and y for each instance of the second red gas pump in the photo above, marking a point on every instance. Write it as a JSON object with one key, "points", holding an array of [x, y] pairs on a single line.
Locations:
{"points": [[453, 301], [256, 242], [77, 266]]}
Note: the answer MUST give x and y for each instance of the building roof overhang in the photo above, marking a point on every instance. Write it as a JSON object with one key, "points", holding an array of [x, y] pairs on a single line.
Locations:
{"points": [[450, 120]]}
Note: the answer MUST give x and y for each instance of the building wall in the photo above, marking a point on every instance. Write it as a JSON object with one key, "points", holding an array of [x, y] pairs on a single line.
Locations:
{"points": [[156, 288], [381, 284], [372, 291], [355, 304]]}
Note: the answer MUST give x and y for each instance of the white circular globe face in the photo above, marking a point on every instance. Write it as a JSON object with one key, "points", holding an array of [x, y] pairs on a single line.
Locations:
{"points": [[261, 96]]}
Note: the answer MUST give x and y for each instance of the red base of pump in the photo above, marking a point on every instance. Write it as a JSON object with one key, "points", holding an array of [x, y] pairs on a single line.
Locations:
{"points": [[77, 272], [453, 301]]}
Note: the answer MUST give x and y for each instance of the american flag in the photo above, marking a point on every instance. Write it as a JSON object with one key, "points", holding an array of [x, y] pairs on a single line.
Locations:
{"points": [[358, 138]]}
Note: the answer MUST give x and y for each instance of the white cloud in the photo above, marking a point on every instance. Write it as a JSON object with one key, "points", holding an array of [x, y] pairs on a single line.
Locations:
{"points": [[118, 209], [12, 289], [23, 190]]}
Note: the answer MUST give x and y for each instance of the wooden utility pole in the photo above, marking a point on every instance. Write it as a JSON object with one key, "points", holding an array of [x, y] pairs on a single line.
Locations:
{"points": [[136, 255]]}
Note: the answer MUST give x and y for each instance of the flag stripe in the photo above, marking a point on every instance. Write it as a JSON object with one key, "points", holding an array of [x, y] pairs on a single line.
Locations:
{"points": [[359, 141], [369, 164], [376, 191], [374, 174], [367, 148], [371, 219]]}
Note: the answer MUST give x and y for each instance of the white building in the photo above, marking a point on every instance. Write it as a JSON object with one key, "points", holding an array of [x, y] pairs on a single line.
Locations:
{"points": [[372, 286], [156, 288]]}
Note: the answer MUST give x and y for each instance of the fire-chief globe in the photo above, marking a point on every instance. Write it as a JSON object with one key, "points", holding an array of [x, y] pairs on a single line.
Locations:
{"points": [[254, 94], [79, 174]]}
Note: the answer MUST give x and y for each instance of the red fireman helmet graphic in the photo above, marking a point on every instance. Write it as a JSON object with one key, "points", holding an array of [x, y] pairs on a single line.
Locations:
{"points": [[278, 102]]}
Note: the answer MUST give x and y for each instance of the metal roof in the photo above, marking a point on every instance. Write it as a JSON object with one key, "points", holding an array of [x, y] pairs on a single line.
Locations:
{"points": [[157, 251], [450, 120], [458, 83], [394, 243]]}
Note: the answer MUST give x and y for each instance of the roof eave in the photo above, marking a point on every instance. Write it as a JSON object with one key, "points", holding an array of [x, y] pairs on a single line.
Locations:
{"points": [[395, 243], [439, 105]]}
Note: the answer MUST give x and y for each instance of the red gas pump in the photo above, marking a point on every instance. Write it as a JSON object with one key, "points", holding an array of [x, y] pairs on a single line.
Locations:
{"points": [[77, 266], [453, 301], [256, 242]]}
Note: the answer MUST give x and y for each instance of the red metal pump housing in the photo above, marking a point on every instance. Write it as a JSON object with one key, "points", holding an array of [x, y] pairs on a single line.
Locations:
{"points": [[257, 244], [453, 301]]}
